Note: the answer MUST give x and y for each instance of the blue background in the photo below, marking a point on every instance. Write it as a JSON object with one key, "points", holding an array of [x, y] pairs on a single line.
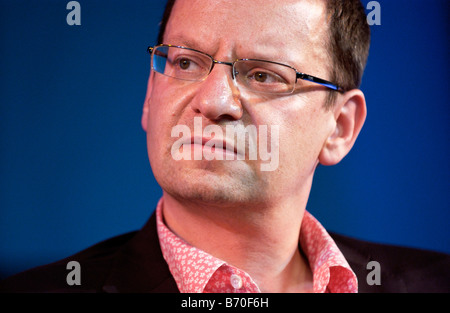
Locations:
{"points": [[73, 158]]}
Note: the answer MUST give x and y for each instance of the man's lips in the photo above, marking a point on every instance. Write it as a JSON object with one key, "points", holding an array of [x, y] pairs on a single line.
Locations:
{"points": [[215, 145]]}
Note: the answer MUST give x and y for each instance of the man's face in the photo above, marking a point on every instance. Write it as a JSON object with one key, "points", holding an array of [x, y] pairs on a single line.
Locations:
{"points": [[289, 32]]}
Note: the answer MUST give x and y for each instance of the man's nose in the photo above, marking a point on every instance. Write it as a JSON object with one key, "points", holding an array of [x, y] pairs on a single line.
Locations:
{"points": [[217, 96]]}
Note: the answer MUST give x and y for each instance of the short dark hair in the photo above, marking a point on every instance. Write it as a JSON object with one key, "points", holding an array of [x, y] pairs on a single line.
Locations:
{"points": [[164, 20], [348, 43]]}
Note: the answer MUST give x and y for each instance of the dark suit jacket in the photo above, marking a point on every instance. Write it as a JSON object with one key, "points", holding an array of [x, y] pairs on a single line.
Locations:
{"points": [[133, 262]]}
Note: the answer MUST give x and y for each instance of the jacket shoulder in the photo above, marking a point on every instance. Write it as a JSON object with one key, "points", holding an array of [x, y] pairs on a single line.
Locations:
{"points": [[95, 263], [401, 269]]}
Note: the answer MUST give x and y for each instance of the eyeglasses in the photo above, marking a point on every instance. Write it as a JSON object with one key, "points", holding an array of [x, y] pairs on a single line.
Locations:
{"points": [[256, 75]]}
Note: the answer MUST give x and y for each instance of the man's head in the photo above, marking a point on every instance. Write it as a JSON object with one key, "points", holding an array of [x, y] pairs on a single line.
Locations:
{"points": [[294, 32]]}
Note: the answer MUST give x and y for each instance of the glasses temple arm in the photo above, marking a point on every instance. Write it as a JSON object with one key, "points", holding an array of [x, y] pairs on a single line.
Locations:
{"points": [[320, 81]]}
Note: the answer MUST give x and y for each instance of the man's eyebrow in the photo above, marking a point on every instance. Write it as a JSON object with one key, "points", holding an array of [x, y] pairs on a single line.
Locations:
{"points": [[183, 41], [261, 53]]}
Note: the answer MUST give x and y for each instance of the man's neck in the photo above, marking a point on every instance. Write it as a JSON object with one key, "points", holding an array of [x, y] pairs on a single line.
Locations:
{"points": [[262, 241]]}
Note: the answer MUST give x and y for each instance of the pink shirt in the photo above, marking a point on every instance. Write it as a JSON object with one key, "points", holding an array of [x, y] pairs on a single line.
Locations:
{"points": [[196, 271]]}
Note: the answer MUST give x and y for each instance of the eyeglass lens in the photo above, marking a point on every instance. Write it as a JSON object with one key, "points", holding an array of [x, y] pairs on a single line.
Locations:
{"points": [[256, 75]]}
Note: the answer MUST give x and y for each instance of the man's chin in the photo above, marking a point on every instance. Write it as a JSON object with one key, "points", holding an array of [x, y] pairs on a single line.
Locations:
{"points": [[212, 189]]}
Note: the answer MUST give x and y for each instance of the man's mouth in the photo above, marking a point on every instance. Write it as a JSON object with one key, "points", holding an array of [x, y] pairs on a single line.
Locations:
{"points": [[215, 146]]}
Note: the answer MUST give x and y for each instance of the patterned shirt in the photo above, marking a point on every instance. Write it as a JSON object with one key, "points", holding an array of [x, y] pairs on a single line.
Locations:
{"points": [[196, 271]]}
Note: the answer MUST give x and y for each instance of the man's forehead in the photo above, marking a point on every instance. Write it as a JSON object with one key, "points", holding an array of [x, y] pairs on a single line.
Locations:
{"points": [[264, 25]]}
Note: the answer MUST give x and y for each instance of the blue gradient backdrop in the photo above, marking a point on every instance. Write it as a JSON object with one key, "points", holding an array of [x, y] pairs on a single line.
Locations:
{"points": [[73, 158]]}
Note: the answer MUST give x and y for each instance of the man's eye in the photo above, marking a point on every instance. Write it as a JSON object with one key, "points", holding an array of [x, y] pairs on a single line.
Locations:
{"points": [[260, 77], [184, 63], [265, 77], [188, 64]]}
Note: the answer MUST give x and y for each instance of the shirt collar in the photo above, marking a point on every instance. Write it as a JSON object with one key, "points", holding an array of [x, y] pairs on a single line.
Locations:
{"points": [[186, 263], [192, 268], [331, 271]]}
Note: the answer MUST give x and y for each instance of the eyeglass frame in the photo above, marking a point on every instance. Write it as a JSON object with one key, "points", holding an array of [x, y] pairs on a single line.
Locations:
{"points": [[299, 75]]}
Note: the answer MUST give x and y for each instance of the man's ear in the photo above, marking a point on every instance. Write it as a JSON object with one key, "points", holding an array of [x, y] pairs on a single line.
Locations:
{"points": [[349, 113], [145, 110]]}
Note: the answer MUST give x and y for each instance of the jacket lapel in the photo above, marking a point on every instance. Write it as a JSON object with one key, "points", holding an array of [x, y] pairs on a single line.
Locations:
{"points": [[139, 265]]}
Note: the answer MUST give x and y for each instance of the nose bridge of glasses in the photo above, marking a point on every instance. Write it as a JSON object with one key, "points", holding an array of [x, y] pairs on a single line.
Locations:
{"points": [[231, 83], [214, 62], [223, 62]]}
